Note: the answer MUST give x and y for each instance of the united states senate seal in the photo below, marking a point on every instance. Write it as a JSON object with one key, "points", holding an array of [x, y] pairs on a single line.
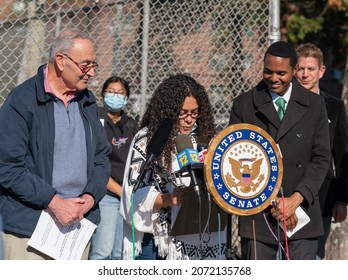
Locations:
{"points": [[243, 169]]}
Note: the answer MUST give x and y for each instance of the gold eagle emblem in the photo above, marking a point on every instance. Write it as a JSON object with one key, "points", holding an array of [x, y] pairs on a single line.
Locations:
{"points": [[247, 178]]}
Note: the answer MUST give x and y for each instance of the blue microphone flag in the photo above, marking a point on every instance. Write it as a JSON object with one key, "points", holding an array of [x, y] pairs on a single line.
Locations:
{"points": [[187, 156]]}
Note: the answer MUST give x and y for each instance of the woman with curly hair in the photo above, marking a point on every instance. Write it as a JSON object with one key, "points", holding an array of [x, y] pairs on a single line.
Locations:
{"points": [[150, 212]]}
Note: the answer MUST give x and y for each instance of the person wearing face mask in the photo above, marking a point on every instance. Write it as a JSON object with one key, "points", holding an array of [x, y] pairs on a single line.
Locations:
{"points": [[120, 130]]}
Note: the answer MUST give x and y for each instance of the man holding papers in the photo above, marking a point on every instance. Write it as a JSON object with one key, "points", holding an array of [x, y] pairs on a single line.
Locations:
{"points": [[53, 152], [297, 120]]}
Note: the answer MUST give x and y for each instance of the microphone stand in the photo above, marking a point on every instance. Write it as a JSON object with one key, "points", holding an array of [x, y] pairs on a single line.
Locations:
{"points": [[230, 252], [197, 188], [199, 220], [139, 184]]}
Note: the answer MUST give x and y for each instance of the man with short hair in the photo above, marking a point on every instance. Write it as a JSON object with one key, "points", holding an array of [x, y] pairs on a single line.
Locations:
{"points": [[332, 196], [53, 152], [301, 131]]}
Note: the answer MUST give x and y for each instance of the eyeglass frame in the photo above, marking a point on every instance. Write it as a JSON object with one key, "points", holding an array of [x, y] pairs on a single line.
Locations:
{"points": [[83, 69], [193, 115], [116, 93]]}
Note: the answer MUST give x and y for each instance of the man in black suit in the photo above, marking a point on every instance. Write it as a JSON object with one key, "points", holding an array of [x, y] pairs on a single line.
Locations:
{"points": [[332, 196], [303, 138]]}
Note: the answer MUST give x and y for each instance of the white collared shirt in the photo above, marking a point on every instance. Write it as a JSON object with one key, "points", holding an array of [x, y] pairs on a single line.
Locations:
{"points": [[286, 96]]}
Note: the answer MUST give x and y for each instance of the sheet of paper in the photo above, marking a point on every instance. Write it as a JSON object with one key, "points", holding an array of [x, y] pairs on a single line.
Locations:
{"points": [[303, 219], [61, 242]]}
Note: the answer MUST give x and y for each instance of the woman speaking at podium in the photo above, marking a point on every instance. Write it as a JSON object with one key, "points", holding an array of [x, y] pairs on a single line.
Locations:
{"points": [[152, 192]]}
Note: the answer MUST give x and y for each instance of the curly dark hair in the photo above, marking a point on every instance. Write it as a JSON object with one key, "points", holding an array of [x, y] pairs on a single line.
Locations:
{"points": [[167, 102]]}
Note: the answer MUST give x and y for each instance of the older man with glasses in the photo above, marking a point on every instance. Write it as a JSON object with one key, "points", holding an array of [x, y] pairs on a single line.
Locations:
{"points": [[53, 152]]}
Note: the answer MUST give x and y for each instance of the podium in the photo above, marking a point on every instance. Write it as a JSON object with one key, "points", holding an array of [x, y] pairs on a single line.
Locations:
{"points": [[187, 220]]}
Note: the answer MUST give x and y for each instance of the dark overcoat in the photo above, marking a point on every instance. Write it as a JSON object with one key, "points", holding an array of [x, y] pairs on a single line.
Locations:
{"points": [[303, 138]]}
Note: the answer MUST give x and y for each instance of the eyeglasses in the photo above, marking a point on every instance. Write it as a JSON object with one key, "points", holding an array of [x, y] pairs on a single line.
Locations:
{"points": [[185, 113], [123, 93], [84, 68]]}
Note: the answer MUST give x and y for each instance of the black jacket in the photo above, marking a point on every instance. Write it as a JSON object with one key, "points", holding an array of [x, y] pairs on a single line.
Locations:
{"points": [[120, 136], [335, 185], [303, 138]]}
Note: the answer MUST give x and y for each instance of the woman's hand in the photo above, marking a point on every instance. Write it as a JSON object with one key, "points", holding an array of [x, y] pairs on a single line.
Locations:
{"points": [[169, 199], [178, 196]]}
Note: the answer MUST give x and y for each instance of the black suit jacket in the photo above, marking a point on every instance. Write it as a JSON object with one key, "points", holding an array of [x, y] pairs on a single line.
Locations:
{"points": [[334, 187], [303, 138]]}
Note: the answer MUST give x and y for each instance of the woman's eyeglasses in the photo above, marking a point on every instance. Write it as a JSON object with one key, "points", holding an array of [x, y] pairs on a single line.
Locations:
{"points": [[185, 113]]}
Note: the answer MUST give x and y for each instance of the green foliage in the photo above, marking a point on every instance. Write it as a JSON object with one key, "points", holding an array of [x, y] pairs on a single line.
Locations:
{"points": [[322, 22], [300, 26]]}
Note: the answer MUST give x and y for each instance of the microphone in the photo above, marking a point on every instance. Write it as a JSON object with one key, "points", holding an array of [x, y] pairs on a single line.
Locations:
{"points": [[154, 149], [187, 157], [202, 151], [186, 154]]}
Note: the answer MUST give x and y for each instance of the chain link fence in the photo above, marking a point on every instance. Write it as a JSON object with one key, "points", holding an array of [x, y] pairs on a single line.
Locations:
{"points": [[220, 43]]}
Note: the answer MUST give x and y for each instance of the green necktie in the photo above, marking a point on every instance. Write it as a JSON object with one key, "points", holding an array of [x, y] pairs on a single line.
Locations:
{"points": [[281, 107]]}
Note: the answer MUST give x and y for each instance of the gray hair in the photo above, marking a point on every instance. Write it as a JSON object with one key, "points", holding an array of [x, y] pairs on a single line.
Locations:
{"points": [[65, 41]]}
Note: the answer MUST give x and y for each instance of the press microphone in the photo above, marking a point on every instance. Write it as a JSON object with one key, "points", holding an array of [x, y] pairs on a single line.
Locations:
{"points": [[154, 149], [186, 154], [202, 151], [187, 157]]}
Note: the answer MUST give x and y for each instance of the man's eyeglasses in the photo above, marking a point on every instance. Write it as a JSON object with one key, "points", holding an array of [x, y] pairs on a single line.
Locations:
{"points": [[84, 68], [185, 113]]}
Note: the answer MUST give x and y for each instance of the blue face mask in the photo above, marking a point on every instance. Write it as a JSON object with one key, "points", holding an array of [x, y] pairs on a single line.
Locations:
{"points": [[114, 102]]}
